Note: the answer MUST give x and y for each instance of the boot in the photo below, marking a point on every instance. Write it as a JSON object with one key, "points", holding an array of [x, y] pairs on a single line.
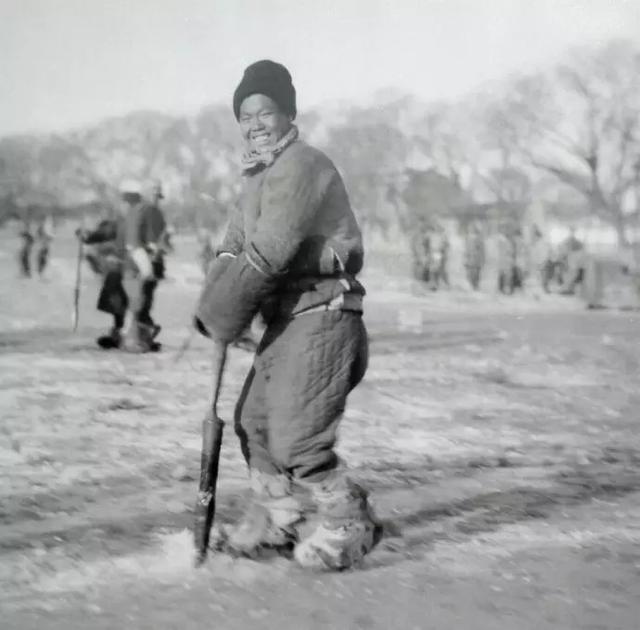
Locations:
{"points": [[110, 341], [270, 517], [138, 339], [155, 330], [152, 328], [147, 334], [347, 529]]}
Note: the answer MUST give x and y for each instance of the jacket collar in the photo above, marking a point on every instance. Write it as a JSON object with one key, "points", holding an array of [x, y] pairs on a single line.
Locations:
{"points": [[254, 161]]}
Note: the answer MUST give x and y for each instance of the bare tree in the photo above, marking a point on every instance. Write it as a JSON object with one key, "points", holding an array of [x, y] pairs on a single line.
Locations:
{"points": [[502, 132], [447, 136], [582, 125], [370, 155]]}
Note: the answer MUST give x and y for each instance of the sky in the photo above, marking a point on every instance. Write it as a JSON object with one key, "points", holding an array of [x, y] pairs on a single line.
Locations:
{"points": [[70, 63]]}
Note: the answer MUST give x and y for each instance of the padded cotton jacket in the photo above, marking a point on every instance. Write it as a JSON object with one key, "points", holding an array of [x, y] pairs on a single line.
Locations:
{"points": [[294, 234]]}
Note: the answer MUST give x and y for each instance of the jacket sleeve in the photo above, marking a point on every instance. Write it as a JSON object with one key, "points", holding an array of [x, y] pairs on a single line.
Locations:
{"points": [[290, 199], [106, 231], [233, 241], [291, 195]]}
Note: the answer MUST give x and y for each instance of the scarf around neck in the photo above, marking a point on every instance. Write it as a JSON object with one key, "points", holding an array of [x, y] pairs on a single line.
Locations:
{"points": [[254, 160]]}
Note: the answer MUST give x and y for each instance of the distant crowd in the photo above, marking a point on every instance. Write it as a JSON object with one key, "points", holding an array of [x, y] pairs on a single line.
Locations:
{"points": [[518, 260]]}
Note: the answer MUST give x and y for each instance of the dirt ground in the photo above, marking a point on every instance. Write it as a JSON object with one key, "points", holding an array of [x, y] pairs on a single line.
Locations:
{"points": [[498, 437]]}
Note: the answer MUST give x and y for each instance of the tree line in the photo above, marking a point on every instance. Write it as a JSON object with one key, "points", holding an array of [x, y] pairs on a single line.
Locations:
{"points": [[568, 135]]}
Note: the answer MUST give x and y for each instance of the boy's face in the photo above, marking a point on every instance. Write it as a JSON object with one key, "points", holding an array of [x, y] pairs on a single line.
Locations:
{"points": [[261, 122]]}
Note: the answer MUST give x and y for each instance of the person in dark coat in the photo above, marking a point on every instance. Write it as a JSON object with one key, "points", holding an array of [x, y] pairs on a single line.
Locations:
{"points": [[506, 262], [130, 240], [438, 257], [520, 259], [542, 264], [292, 251], [44, 237], [421, 250], [154, 237], [474, 255], [24, 255], [572, 259]]}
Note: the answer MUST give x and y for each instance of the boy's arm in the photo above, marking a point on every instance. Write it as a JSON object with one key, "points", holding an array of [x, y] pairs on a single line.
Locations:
{"points": [[291, 194]]}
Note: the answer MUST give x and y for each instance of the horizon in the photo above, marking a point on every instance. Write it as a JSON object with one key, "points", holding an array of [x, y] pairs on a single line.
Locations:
{"points": [[175, 58]]}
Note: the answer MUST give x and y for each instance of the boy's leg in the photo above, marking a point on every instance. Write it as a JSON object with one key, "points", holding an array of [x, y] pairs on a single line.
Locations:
{"points": [[317, 359], [250, 421], [272, 511]]}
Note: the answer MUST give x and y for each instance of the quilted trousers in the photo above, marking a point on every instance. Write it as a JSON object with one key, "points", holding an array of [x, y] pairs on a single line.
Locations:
{"points": [[295, 394]]}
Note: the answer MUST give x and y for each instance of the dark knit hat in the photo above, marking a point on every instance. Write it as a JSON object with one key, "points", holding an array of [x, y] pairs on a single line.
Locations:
{"points": [[271, 79]]}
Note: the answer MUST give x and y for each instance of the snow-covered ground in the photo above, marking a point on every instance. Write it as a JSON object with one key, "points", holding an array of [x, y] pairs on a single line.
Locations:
{"points": [[498, 437]]}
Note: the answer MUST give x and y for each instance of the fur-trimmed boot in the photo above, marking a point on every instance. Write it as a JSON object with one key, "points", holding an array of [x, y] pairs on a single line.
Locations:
{"points": [[139, 339], [270, 518], [346, 530], [112, 340]]}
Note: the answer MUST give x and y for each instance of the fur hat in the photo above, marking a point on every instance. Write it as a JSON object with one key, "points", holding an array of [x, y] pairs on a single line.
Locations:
{"points": [[271, 79], [131, 190]]}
